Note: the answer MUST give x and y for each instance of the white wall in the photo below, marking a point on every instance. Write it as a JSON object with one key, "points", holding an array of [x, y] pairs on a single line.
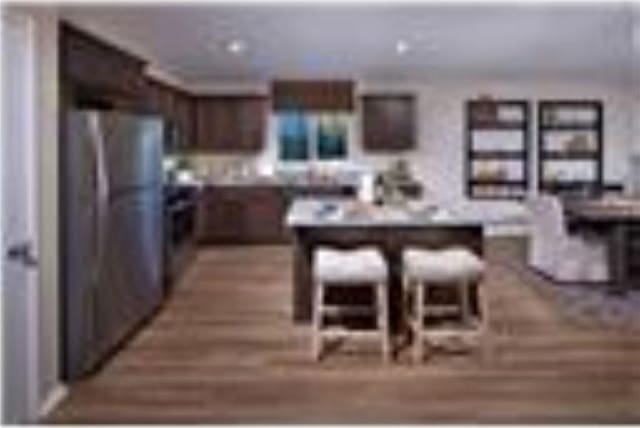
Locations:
{"points": [[438, 159], [46, 94], [634, 176], [635, 49]]}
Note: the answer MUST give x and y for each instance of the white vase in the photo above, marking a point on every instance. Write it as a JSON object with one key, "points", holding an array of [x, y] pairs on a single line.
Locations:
{"points": [[366, 188]]}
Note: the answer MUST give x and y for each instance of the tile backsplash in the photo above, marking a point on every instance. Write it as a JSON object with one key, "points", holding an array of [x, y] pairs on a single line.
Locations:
{"points": [[214, 167], [220, 165]]}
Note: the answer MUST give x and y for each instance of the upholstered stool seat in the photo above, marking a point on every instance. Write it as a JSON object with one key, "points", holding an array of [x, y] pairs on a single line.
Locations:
{"points": [[364, 267], [454, 267], [442, 266], [347, 266]]}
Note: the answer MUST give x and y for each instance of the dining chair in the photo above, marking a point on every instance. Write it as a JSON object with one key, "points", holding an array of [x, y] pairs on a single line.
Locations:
{"points": [[558, 255]]}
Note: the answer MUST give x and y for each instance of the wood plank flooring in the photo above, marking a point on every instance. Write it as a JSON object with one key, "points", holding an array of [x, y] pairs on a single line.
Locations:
{"points": [[224, 350]]}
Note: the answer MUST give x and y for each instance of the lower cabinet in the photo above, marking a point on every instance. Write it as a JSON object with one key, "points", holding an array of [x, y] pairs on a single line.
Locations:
{"points": [[251, 214], [264, 216], [241, 215], [220, 216]]}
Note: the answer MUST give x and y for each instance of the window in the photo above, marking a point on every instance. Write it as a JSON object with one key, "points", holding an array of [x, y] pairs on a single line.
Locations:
{"points": [[332, 137], [306, 136], [293, 136]]}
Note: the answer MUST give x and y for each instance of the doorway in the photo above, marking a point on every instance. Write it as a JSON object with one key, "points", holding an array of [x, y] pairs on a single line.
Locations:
{"points": [[19, 292]]}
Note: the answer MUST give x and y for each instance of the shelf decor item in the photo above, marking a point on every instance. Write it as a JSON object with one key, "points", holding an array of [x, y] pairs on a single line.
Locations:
{"points": [[484, 110], [578, 165], [578, 143], [490, 173], [497, 148]]}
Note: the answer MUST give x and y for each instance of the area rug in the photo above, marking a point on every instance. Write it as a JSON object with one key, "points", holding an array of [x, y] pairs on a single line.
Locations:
{"points": [[589, 305]]}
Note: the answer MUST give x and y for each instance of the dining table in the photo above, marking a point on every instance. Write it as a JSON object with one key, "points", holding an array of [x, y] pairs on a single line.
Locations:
{"points": [[617, 220], [350, 223]]}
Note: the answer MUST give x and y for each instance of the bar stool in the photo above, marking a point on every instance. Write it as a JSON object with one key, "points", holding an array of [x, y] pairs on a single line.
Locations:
{"points": [[364, 266], [453, 267]]}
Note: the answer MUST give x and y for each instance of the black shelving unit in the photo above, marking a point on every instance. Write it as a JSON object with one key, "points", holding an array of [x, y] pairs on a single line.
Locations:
{"points": [[570, 120], [497, 115]]}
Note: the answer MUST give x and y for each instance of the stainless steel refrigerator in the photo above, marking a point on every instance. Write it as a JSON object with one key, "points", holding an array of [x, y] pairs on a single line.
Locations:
{"points": [[112, 242]]}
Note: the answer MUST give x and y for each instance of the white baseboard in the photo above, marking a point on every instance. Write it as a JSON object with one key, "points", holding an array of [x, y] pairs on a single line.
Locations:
{"points": [[53, 398]]}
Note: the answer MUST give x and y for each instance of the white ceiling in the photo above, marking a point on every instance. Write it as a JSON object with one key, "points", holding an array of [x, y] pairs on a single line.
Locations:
{"points": [[448, 41]]}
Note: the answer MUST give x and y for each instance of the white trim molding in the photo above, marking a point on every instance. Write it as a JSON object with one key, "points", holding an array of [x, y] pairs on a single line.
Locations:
{"points": [[56, 396]]}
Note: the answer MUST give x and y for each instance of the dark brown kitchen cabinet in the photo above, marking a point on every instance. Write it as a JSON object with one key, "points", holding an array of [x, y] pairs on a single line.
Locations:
{"points": [[204, 126], [99, 69], [230, 124], [220, 216], [252, 115], [176, 106], [240, 215], [159, 98], [184, 117], [388, 122], [264, 215]]}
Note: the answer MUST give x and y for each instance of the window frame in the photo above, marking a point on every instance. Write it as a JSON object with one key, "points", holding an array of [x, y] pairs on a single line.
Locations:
{"points": [[313, 120]]}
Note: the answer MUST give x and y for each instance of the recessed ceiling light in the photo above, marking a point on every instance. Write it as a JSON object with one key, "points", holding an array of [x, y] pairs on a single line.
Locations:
{"points": [[236, 46], [402, 47]]}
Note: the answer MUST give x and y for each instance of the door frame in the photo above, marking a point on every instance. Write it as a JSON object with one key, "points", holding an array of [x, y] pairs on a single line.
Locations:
{"points": [[28, 26]]}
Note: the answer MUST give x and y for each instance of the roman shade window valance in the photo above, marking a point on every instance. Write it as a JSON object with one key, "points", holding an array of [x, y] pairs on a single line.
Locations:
{"points": [[312, 95]]}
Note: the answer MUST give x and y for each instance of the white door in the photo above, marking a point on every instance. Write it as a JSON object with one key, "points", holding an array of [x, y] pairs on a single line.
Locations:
{"points": [[19, 231]]}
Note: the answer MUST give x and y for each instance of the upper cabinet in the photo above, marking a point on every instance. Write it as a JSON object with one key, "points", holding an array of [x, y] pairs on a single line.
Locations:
{"points": [[388, 122], [97, 71], [183, 114], [158, 98], [230, 124], [177, 107]]}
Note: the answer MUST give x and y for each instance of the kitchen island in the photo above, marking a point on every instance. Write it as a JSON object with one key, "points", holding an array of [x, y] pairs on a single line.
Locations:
{"points": [[347, 223]]}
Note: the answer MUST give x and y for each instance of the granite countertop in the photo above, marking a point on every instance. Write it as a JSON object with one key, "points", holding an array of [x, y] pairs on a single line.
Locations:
{"points": [[315, 211]]}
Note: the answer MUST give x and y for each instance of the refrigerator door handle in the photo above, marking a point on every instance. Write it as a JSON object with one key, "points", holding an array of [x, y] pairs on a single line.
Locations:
{"points": [[102, 199], [102, 179]]}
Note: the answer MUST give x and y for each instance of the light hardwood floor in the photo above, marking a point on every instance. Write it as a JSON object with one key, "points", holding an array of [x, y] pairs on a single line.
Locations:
{"points": [[224, 350]]}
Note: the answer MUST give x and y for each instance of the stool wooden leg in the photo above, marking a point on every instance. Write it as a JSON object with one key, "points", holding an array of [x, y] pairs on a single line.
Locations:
{"points": [[406, 308], [486, 336], [418, 322], [382, 303], [318, 303], [463, 294]]}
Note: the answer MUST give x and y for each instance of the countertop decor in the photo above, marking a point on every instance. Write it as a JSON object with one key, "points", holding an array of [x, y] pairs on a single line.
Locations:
{"points": [[350, 212]]}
